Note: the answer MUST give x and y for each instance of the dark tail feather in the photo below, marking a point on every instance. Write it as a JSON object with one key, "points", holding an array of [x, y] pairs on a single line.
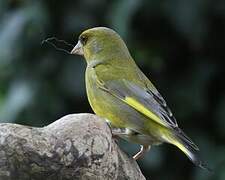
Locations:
{"points": [[182, 136], [184, 143]]}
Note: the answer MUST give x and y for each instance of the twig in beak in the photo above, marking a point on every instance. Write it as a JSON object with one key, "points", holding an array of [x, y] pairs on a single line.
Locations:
{"points": [[49, 41]]}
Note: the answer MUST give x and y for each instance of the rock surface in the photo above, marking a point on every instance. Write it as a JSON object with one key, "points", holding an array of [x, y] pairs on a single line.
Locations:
{"points": [[77, 146]]}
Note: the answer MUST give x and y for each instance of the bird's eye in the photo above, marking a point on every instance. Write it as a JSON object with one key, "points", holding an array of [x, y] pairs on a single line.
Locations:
{"points": [[83, 39]]}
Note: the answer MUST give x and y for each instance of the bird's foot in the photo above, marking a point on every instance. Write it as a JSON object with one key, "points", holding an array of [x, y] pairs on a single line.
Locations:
{"points": [[143, 150]]}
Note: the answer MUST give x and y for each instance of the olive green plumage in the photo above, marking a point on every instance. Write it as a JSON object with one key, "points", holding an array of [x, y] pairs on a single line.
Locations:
{"points": [[119, 92]]}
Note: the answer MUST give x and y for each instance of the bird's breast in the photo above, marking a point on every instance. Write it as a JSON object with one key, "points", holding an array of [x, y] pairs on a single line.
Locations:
{"points": [[102, 103]]}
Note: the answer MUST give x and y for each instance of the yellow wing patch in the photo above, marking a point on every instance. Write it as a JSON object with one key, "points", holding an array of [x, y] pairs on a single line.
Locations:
{"points": [[141, 108]]}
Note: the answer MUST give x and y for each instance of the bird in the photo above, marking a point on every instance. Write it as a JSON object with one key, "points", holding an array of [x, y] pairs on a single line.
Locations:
{"points": [[119, 92]]}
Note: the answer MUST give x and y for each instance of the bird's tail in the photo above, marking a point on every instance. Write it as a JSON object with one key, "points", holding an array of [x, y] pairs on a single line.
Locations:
{"points": [[185, 144]]}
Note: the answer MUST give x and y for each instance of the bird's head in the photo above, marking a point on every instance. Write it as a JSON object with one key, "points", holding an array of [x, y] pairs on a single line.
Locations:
{"points": [[100, 43]]}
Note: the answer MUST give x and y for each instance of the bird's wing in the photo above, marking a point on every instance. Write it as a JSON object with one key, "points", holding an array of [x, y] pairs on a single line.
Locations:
{"points": [[143, 99]]}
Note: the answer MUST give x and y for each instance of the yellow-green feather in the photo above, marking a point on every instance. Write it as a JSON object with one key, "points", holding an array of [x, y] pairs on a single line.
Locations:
{"points": [[141, 108]]}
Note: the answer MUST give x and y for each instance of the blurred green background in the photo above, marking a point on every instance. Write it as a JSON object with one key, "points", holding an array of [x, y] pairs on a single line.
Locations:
{"points": [[179, 44]]}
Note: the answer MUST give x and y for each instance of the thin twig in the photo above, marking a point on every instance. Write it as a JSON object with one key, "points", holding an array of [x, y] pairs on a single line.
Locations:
{"points": [[48, 40]]}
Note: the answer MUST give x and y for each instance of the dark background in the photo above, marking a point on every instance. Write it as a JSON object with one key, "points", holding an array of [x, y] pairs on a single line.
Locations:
{"points": [[179, 44]]}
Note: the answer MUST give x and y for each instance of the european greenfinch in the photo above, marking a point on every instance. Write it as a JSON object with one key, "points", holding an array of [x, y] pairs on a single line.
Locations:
{"points": [[119, 92]]}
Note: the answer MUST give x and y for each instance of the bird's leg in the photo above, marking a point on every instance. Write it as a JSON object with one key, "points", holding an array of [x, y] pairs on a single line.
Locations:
{"points": [[143, 150], [117, 132], [126, 133]]}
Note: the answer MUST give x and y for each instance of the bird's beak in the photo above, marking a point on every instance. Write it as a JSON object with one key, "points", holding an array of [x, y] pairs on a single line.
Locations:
{"points": [[78, 49]]}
